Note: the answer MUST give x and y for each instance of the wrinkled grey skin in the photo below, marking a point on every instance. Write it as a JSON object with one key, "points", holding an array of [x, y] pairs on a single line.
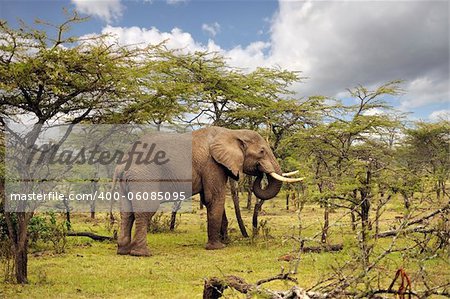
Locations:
{"points": [[217, 153]]}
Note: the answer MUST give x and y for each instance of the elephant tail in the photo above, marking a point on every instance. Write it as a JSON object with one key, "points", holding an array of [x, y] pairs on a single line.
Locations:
{"points": [[123, 186], [118, 177]]}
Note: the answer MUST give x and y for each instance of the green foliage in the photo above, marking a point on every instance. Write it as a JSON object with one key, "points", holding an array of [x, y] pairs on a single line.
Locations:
{"points": [[160, 223], [340, 149], [3, 228], [427, 147], [7, 259], [181, 257], [198, 88], [354, 154], [47, 229], [64, 76], [263, 230]]}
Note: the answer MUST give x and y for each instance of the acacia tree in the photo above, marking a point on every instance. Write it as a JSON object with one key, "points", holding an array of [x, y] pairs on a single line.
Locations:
{"points": [[344, 151], [197, 88], [165, 91], [47, 75], [427, 147], [231, 98], [270, 107]]}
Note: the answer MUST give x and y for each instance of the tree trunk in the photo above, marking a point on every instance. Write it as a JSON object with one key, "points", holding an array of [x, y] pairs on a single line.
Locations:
{"points": [[19, 239], [173, 216], [406, 200], [256, 211], [326, 224], [173, 220], [67, 207], [112, 219], [21, 260], [237, 209], [365, 202], [353, 220], [365, 210], [287, 200], [94, 188], [326, 215], [377, 220], [294, 199], [438, 190]]}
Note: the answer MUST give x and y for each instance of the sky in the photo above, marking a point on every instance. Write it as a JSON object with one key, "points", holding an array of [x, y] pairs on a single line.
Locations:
{"points": [[335, 44]]}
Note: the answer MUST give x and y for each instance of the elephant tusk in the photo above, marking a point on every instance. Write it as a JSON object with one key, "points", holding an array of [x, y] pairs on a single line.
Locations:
{"points": [[283, 179], [289, 173]]}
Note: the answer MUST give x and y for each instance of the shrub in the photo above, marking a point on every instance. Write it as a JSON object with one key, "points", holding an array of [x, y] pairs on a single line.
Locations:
{"points": [[48, 229], [160, 223]]}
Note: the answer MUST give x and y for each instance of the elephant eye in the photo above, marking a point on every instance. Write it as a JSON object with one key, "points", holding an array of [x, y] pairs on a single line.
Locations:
{"points": [[261, 151]]}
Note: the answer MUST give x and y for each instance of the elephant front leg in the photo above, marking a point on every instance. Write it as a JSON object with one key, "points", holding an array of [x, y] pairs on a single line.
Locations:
{"points": [[215, 210], [124, 239], [139, 243]]}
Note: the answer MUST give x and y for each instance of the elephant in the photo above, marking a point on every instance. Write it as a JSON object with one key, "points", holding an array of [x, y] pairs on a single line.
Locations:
{"points": [[217, 154]]}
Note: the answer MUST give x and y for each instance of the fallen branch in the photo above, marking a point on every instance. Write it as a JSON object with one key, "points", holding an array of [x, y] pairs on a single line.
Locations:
{"points": [[325, 248], [312, 249], [90, 235], [394, 232], [372, 294], [281, 276], [432, 214], [214, 288]]}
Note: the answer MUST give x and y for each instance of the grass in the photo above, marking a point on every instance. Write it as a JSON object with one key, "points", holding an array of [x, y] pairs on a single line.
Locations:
{"points": [[179, 264]]}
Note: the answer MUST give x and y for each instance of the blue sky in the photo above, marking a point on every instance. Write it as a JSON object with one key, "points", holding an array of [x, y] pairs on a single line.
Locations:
{"points": [[240, 21], [336, 44]]}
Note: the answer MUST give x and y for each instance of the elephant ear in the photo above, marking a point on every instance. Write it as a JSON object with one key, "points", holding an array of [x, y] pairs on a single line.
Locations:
{"points": [[227, 149]]}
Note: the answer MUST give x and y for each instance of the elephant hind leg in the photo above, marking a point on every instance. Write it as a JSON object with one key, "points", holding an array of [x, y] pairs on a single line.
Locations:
{"points": [[139, 244], [124, 239]]}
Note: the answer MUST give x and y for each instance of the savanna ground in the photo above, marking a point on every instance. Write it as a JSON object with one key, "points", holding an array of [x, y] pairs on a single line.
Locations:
{"points": [[179, 264]]}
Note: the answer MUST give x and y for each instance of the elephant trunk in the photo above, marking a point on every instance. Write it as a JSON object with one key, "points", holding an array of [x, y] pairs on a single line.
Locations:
{"points": [[273, 186]]}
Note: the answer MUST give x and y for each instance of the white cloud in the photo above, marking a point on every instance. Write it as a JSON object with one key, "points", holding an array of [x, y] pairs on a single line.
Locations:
{"points": [[175, 2], [248, 58], [211, 29], [342, 44], [175, 39], [438, 115], [374, 111], [107, 10], [339, 45], [423, 91]]}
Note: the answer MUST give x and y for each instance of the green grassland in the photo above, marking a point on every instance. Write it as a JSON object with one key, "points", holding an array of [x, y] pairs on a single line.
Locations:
{"points": [[179, 263]]}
